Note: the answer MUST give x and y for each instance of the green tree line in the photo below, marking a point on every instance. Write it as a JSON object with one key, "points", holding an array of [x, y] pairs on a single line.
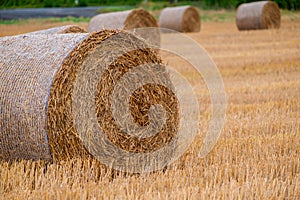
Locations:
{"points": [[63, 3], [284, 4]]}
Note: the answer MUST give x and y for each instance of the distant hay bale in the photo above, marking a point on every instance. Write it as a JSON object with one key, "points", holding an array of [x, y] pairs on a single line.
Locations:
{"points": [[181, 19], [61, 30], [46, 100], [127, 20], [258, 15]]}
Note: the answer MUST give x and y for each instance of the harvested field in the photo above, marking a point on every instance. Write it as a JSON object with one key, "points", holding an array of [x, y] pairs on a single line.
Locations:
{"points": [[256, 157]]}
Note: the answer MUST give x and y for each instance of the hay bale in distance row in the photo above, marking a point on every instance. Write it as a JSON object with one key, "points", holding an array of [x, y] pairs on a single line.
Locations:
{"points": [[258, 15], [39, 77], [181, 19], [128, 20], [60, 30]]}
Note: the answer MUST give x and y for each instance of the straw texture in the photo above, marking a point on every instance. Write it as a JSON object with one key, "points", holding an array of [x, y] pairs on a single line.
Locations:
{"points": [[27, 67], [181, 19], [61, 30], [44, 82], [258, 15]]}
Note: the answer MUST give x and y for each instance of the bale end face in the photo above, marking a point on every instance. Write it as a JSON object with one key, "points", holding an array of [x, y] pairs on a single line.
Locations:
{"points": [[191, 21], [271, 15]]}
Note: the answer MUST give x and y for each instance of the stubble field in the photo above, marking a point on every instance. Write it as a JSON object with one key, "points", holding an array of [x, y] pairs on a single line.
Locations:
{"points": [[256, 157]]}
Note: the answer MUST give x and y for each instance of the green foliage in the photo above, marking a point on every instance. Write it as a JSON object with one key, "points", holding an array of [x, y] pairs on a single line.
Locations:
{"points": [[218, 16], [289, 4], [154, 4], [63, 3], [284, 4], [114, 9], [13, 21]]}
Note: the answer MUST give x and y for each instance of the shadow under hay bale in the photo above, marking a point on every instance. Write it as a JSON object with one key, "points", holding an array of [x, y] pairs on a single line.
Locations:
{"points": [[181, 19], [47, 101], [127, 20], [258, 15], [60, 30]]}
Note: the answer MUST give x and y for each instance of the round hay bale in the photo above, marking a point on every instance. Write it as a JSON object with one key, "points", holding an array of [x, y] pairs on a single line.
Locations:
{"points": [[258, 15], [128, 20], [181, 19], [57, 88], [60, 30]]}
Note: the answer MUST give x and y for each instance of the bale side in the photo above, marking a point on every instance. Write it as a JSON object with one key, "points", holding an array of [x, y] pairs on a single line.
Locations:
{"points": [[258, 15], [27, 68], [181, 19]]}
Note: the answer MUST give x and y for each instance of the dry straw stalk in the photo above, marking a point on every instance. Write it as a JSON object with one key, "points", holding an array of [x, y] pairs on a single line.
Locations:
{"points": [[258, 15], [182, 19]]}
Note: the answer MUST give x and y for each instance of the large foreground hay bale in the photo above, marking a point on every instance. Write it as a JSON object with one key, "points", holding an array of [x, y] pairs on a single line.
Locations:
{"points": [[61, 30], [258, 15], [181, 19], [46, 89], [128, 20]]}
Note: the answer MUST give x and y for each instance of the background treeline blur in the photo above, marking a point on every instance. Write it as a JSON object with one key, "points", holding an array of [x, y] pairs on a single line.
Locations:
{"points": [[206, 4]]}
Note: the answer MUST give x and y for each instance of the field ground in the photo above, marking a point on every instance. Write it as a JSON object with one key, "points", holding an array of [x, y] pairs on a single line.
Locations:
{"points": [[257, 155]]}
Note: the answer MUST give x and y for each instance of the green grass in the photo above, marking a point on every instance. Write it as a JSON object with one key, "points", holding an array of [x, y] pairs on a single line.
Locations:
{"points": [[218, 16], [115, 9], [54, 19], [68, 19], [13, 21], [293, 15]]}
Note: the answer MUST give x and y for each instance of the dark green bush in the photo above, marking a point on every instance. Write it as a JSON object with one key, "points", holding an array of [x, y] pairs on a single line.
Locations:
{"points": [[284, 4], [63, 3], [289, 4], [208, 4]]}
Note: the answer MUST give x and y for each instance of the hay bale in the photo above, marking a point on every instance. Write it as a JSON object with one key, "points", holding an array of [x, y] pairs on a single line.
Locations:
{"points": [[47, 101], [181, 19], [258, 15], [60, 30], [128, 20]]}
